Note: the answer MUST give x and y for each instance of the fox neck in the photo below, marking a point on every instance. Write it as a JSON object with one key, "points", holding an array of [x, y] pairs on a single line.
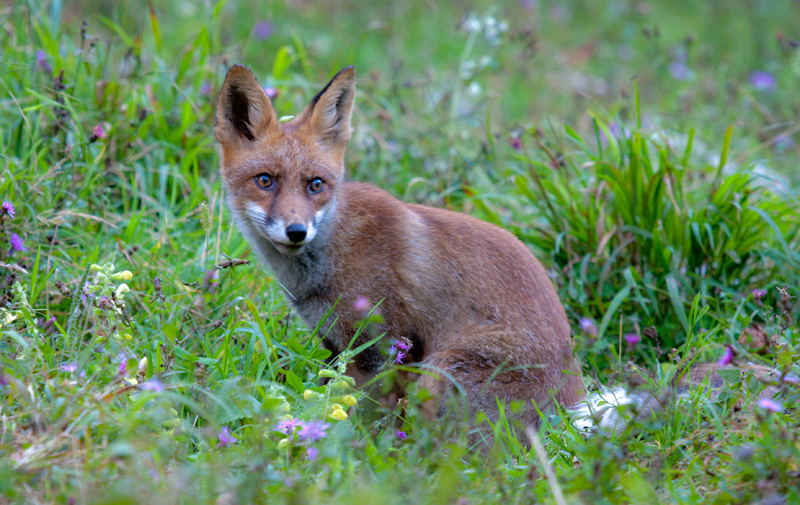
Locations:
{"points": [[301, 274]]}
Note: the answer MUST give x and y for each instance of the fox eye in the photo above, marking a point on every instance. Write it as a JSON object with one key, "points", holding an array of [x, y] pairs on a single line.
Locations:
{"points": [[264, 181], [316, 185]]}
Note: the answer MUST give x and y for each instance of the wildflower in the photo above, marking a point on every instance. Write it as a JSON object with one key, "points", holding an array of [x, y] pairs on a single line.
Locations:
{"points": [[404, 344], [528, 5], [8, 208], [225, 438], [339, 414], [311, 453], [143, 364], [121, 290], [632, 338], [400, 356], [105, 303], [771, 405], [401, 435], [588, 327], [313, 431], [791, 378], [680, 70], [762, 81], [3, 380], [287, 426], [125, 275], [154, 385], [69, 367], [309, 395], [361, 304], [758, 294], [205, 88], [283, 443], [98, 132], [17, 244], [47, 325], [350, 400], [515, 143], [42, 63], [211, 280], [272, 93], [726, 358], [263, 29]]}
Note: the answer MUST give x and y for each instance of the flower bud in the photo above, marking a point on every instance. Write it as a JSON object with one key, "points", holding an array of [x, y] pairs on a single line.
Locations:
{"points": [[350, 400], [339, 415], [327, 373], [125, 275]]}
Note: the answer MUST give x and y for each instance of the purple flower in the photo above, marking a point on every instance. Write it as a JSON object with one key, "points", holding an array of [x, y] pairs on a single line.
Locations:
{"points": [[8, 208], [3, 379], [791, 378], [17, 244], [632, 338], [211, 280], [401, 435], [272, 93], [361, 304], [262, 30], [41, 61], [400, 356], [404, 345], [726, 358], [528, 5], [758, 293], [311, 453], [313, 431], [154, 385], [225, 438], [515, 143], [205, 88], [588, 327], [680, 70], [71, 367], [762, 81], [99, 132], [105, 303], [287, 426], [771, 405]]}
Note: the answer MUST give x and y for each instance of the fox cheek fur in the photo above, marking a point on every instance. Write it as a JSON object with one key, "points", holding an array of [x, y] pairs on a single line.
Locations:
{"points": [[475, 304]]}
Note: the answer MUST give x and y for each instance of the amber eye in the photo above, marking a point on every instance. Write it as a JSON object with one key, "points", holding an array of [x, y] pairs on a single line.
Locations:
{"points": [[316, 185], [264, 181]]}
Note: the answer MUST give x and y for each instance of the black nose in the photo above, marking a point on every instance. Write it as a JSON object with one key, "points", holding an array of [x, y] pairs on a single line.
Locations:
{"points": [[296, 232]]}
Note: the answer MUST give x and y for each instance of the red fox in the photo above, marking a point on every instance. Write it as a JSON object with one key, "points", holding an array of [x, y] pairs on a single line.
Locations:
{"points": [[475, 304]]}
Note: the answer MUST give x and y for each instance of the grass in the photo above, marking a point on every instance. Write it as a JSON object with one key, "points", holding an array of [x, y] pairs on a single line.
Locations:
{"points": [[631, 145]]}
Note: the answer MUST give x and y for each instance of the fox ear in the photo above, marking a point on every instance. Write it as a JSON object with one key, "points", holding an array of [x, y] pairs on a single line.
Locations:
{"points": [[243, 109], [328, 114]]}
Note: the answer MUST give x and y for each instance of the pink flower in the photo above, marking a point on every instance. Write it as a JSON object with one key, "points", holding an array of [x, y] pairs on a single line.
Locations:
{"points": [[99, 132], [225, 438], [726, 358], [287, 426], [8, 208], [313, 431], [403, 345], [400, 434], [154, 385], [762, 81], [69, 367], [588, 326], [632, 338], [17, 244], [758, 293], [263, 29], [400, 356], [771, 405], [361, 304], [272, 93], [515, 143]]}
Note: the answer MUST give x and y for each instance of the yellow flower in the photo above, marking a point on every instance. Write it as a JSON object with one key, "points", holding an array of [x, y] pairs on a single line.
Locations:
{"points": [[125, 275], [339, 415], [308, 394], [350, 400], [122, 289], [336, 406]]}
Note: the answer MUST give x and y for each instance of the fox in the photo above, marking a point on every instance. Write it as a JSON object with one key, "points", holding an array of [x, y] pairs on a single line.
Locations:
{"points": [[473, 304]]}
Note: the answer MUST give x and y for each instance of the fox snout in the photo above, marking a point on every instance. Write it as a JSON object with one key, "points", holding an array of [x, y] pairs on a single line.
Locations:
{"points": [[287, 237]]}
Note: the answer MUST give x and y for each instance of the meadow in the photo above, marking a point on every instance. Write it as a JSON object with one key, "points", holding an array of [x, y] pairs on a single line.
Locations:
{"points": [[645, 151]]}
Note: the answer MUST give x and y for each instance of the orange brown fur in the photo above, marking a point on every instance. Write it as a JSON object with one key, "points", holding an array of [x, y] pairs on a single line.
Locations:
{"points": [[473, 300]]}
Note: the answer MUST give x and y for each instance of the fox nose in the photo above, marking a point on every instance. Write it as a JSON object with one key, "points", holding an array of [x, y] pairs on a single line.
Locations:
{"points": [[296, 232]]}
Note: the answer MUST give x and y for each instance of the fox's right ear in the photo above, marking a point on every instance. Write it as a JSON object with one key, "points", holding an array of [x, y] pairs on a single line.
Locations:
{"points": [[244, 111]]}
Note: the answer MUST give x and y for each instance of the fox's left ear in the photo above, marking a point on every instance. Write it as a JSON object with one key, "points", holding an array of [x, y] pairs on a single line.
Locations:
{"points": [[327, 116]]}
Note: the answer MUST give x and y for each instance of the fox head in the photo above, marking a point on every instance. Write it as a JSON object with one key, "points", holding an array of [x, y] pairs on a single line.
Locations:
{"points": [[281, 178]]}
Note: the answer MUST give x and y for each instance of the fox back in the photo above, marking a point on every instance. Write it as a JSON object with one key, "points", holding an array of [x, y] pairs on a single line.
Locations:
{"points": [[471, 301]]}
